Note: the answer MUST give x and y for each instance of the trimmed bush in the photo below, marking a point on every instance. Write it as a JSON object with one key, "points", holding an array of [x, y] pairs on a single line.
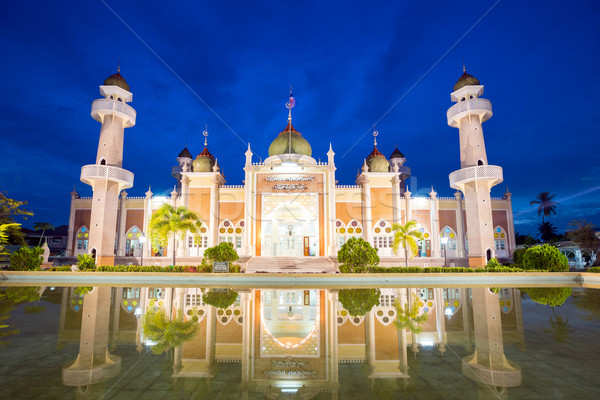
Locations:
{"points": [[358, 302], [85, 262], [26, 259], [552, 297], [545, 257], [357, 255], [220, 299], [60, 268], [493, 263], [221, 252], [518, 256], [593, 269]]}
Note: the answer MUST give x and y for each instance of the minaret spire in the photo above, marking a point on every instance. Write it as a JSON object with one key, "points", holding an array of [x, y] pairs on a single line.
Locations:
{"points": [[375, 134]]}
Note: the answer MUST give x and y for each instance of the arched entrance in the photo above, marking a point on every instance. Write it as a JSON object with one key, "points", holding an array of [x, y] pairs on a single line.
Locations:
{"points": [[290, 231]]}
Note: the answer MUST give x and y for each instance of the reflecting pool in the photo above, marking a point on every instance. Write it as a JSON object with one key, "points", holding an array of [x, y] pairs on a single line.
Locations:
{"points": [[376, 343]]}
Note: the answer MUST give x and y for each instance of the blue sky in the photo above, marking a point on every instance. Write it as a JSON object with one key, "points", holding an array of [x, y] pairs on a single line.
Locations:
{"points": [[349, 63]]}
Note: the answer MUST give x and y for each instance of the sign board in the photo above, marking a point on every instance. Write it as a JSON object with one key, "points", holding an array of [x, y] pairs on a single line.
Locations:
{"points": [[220, 266]]}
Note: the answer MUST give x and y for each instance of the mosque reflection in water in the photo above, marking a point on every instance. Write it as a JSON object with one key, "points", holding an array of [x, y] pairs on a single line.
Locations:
{"points": [[293, 342]]}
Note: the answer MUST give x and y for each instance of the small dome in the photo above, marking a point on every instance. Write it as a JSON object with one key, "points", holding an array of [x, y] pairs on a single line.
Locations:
{"points": [[185, 153], [117, 80], [204, 162], [396, 154], [377, 162], [465, 80], [281, 144]]}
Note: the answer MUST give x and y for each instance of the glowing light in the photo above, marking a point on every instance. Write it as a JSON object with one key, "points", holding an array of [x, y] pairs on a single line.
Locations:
{"points": [[427, 343], [448, 311], [289, 390]]}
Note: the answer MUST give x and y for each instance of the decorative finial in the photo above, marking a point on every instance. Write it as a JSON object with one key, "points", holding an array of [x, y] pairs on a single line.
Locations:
{"points": [[290, 104], [375, 133], [205, 134], [464, 68], [119, 66]]}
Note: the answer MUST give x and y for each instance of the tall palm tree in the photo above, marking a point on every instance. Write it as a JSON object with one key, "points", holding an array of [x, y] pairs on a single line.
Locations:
{"points": [[407, 236], [546, 207], [44, 226], [170, 221], [547, 231]]}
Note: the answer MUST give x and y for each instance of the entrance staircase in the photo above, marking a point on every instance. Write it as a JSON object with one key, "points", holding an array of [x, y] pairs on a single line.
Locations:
{"points": [[298, 265]]}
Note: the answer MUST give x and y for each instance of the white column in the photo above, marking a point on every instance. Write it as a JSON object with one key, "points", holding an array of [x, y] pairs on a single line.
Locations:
{"points": [[396, 200], [367, 223], [214, 214], [408, 215], [438, 298], [147, 216], [435, 225], [460, 230], [512, 243], [71, 232], [332, 212], [122, 220]]}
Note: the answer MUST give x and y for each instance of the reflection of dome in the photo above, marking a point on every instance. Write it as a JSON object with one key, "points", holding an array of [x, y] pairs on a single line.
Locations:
{"points": [[204, 162], [377, 162], [465, 80], [185, 153], [116, 80], [281, 144]]}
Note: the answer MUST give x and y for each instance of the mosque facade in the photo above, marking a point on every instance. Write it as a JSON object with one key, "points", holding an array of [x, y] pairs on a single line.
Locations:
{"points": [[290, 206]]}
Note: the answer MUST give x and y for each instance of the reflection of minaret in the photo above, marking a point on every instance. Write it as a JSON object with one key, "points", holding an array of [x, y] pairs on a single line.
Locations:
{"points": [[488, 365], [94, 364]]}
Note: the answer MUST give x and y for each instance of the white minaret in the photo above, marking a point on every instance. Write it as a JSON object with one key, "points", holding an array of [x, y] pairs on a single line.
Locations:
{"points": [[475, 178], [106, 177]]}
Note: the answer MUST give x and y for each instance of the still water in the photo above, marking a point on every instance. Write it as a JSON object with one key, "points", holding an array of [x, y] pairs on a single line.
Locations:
{"points": [[381, 343]]}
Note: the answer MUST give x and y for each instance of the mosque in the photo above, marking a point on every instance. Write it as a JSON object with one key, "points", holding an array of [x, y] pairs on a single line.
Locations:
{"points": [[290, 209]]}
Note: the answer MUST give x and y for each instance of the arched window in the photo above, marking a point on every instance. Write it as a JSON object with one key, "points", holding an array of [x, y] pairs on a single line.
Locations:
{"points": [[480, 162], [102, 161], [451, 301], [500, 242], [198, 242], [133, 247], [232, 234], [450, 246], [345, 232], [383, 238], [83, 236], [340, 233], [425, 243]]}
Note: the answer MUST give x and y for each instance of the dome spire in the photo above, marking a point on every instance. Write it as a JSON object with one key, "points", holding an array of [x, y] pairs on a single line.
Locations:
{"points": [[375, 134], [205, 134]]}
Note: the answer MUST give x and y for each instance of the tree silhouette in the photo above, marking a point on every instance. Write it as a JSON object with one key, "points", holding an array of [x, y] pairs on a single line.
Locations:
{"points": [[166, 333], [44, 226], [546, 207], [547, 231]]}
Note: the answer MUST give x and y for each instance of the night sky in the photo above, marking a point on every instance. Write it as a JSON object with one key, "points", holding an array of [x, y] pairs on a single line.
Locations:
{"points": [[351, 64]]}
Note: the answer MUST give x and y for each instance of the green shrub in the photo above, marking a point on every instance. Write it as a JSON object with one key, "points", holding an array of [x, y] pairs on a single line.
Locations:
{"points": [[220, 299], [60, 268], [545, 257], [82, 290], [429, 270], [357, 256], [358, 302], [85, 262], [593, 269], [493, 263], [222, 252], [234, 268], [552, 297], [518, 256], [27, 259]]}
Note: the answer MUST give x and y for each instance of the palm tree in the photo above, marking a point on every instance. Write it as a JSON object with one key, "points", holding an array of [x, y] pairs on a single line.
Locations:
{"points": [[547, 231], [169, 221], [560, 327], [44, 226], [546, 207], [167, 333], [407, 235], [407, 316]]}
